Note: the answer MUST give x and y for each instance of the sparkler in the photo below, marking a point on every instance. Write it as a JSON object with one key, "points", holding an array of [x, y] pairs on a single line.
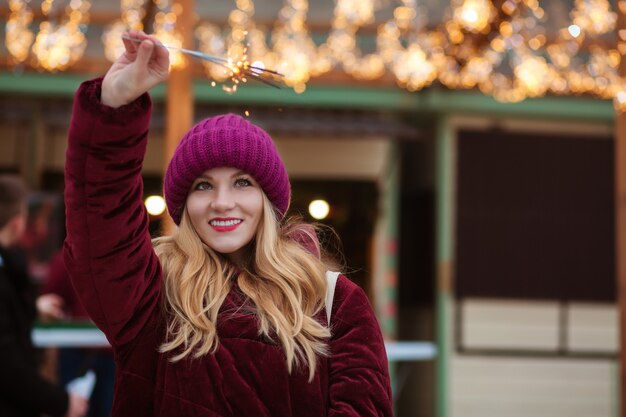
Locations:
{"points": [[240, 71]]}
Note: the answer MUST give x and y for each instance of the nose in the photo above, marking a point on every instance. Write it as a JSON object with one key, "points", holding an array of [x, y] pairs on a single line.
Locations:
{"points": [[223, 200]]}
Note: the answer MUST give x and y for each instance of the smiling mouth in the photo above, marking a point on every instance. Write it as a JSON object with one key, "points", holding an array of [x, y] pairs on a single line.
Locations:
{"points": [[225, 225]]}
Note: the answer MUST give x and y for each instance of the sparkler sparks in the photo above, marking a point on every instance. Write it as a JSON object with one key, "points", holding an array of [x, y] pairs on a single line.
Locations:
{"points": [[239, 71]]}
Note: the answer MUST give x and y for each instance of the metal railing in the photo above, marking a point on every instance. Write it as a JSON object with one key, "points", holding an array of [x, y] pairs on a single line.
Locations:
{"points": [[80, 334]]}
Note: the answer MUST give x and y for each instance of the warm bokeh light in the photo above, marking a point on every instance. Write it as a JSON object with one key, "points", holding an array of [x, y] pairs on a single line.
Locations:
{"points": [[59, 43], [574, 30], [474, 15], [319, 209], [155, 204], [164, 28], [132, 14], [594, 16], [620, 100]]}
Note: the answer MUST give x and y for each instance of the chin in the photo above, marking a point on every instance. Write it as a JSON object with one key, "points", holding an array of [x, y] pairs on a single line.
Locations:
{"points": [[225, 252]]}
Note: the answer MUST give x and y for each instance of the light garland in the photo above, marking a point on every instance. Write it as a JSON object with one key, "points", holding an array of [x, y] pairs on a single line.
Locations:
{"points": [[411, 65], [57, 45], [594, 16], [293, 51], [349, 16], [474, 15], [19, 37], [235, 47], [132, 14], [513, 55], [503, 52], [164, 28]]}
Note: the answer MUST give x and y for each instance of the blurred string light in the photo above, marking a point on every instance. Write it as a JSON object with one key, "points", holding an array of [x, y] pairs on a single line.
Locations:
{"points": [[155, 205], [131, 18], [574, 30], [474, 15], [232, 44], [293, 52], [415, 65], [503, 51], [516, 57], [594, 16], [60, 41], [319, 209], [342, 45], [19, 37], [164, 28]]}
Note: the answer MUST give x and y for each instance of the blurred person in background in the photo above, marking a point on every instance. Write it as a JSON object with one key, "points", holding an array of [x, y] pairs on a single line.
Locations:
{"points": [[23, 391], [58, 302]]}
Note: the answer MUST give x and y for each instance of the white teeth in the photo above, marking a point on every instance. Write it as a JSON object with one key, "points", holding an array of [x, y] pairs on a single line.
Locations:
{"points": [[224, 223]]}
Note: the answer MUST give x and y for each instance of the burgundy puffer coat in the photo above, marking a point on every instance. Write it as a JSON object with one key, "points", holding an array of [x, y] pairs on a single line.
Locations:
{"points": [[117, 275]]}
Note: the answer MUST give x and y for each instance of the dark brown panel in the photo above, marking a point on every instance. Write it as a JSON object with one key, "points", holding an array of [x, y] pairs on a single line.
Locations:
{"points": [[535, 217]]}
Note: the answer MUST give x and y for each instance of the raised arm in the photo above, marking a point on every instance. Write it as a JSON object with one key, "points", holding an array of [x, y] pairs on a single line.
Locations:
{"points": [[359, 374], [108, 252]]}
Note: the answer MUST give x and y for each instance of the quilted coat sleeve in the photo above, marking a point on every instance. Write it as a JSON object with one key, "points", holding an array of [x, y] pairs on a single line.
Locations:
{"points": [[359, 374], [108, 251]]}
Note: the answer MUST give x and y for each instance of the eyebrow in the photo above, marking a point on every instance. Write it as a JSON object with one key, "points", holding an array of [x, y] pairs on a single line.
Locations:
{"points": [[236, 174]]}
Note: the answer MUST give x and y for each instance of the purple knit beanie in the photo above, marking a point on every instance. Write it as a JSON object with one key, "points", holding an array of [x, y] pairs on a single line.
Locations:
{"points": [[226, 141]]}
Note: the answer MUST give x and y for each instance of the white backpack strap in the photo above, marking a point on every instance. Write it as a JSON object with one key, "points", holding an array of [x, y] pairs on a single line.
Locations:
{"points": [[331, 277]]}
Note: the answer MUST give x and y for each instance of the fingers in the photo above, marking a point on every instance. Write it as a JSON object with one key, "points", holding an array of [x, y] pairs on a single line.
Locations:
{"points": [[161, 53], [129, 39], [136, 45], [145, 53], [132, 40], [154, 39]]}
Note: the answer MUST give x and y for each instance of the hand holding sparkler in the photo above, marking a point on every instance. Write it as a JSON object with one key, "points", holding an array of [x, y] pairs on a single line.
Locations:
{"points": [[142, 66], [240, 70]]}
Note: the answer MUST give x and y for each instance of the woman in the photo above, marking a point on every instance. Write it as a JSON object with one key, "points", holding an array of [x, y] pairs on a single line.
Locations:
{"points": [[227, 316]]}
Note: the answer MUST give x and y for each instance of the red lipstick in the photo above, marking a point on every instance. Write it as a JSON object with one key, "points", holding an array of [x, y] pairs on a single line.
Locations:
{"points": [[225, 224]]}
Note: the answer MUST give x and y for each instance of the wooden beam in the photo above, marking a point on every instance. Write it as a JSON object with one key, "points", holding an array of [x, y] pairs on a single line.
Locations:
{"points": [[179, 104], [148, 18], [620, 244], [620, 222]]}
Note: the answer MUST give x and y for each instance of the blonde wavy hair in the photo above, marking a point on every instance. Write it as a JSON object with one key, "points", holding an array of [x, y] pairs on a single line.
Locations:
{"points": [[285, 283]]}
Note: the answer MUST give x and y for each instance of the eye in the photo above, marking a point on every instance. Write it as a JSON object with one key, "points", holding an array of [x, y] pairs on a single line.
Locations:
{"points": [[242, 182], [202, 186]]}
